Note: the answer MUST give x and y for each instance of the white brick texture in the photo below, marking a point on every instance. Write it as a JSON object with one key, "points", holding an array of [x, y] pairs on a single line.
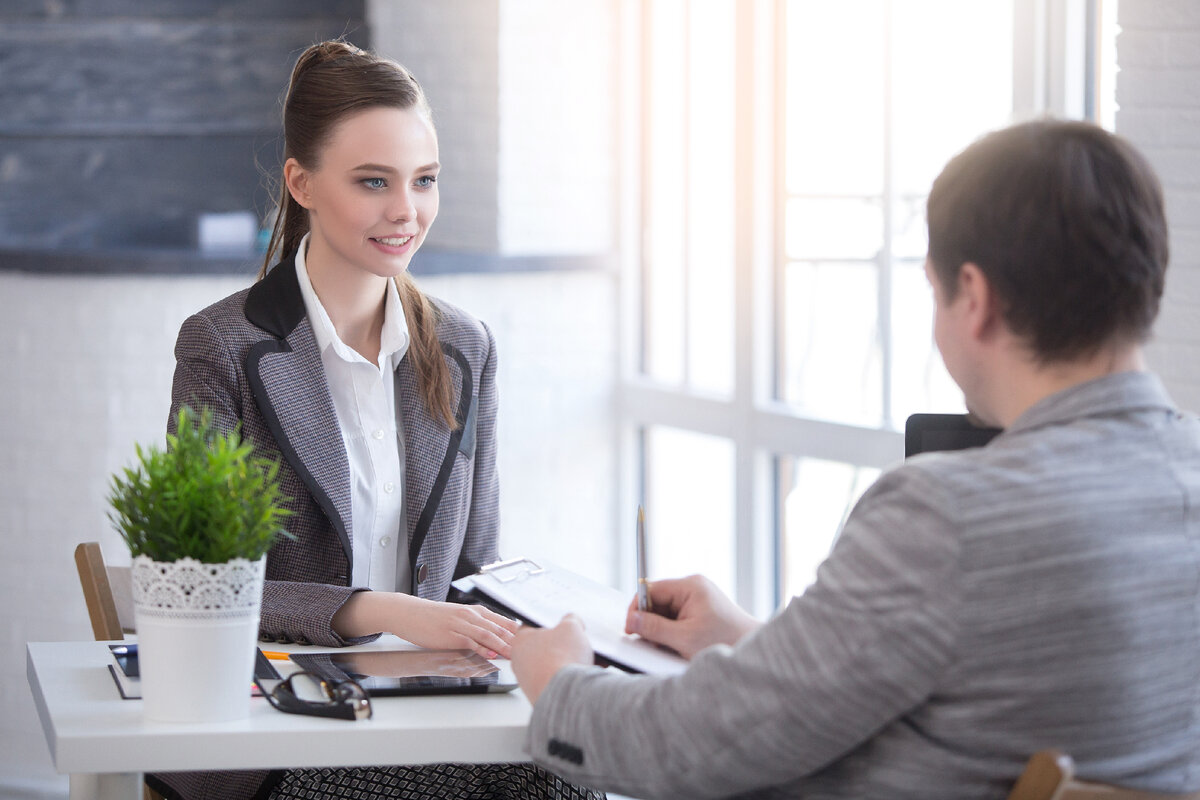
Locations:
{"points": [[88, 360], [1158, 91]]}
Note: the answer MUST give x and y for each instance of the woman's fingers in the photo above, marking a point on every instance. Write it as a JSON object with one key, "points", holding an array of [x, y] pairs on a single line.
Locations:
{"points": [[489, 634]]}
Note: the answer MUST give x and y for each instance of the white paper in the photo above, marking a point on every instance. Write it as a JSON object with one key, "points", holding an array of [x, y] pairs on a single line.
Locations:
{"points": [[546, 596]]}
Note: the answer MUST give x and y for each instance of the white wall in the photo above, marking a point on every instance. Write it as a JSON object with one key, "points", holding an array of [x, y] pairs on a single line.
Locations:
{"points": [[88, 368], [87, 361], [1158, 90]]}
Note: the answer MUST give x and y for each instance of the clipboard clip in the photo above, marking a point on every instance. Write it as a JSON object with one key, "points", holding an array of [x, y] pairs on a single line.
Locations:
{"points": [[514, 569]]}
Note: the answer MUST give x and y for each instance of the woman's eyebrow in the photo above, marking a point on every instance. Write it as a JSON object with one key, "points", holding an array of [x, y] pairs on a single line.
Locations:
{"points": [[372, 168], [433, 165]]}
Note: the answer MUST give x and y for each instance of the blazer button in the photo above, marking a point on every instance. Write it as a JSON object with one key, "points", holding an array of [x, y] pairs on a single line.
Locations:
{"points": [[422, 573]]}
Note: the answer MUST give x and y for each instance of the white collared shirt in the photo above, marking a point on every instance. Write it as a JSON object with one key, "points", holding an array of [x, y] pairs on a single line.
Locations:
{"points": [[364, 397]]}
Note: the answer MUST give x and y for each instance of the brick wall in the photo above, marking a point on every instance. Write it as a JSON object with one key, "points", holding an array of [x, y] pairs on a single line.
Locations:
{"points": [[1158, 91], [526, 123], [87, 365], [451, 47], [556, 70]]}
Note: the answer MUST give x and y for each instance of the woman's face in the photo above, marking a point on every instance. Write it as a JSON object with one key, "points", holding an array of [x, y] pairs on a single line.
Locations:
{"points": [[374, 193]]}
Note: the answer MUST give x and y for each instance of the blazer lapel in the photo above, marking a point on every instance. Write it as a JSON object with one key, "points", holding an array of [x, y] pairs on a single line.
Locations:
{"points": [[288, 381], [431, 448]]}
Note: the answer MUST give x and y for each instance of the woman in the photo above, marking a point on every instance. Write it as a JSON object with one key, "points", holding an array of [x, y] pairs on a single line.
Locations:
{"points": [[379, 402]]}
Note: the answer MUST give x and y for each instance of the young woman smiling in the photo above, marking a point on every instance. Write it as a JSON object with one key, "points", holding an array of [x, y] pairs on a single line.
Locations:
{"points": [[378, 401]]}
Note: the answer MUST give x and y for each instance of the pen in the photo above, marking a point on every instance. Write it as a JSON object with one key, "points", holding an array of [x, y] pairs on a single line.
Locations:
{"points": [[643, 591]]}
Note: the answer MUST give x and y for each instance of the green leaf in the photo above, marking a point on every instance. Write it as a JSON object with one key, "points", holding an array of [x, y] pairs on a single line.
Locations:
{"points": [[206, 495]]}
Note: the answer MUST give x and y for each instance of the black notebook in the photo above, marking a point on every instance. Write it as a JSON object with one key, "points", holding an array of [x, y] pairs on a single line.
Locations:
{"points": [[127, 675]]}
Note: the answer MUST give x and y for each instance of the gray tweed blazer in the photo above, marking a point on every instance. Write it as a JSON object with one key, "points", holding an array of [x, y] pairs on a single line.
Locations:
{"points": [[253, 359]]}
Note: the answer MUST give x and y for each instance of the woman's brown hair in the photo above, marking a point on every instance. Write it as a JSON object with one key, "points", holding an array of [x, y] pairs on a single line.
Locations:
{"points": [[331, 81]]}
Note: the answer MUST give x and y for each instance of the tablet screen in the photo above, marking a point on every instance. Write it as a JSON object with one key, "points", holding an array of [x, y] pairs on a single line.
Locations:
{"points": [[398, 672]]}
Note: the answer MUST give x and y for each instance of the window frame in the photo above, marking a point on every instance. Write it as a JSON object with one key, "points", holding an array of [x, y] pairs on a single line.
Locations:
{"points": [[761, 428]]}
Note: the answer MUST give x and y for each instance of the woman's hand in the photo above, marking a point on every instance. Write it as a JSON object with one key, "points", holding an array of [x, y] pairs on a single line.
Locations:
{"points": [[427, 623], [688, 615], [452, 626]]}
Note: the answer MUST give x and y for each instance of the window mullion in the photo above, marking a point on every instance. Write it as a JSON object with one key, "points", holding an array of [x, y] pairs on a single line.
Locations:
{"points": [[686, 198], [888, 203]]}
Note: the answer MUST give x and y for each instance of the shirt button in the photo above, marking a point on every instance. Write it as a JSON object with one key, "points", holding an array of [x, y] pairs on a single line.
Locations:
{"points": [[385, 541], [389, 487], [378, 434]]}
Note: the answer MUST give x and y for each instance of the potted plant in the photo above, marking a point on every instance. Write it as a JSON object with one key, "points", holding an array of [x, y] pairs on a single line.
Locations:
{"points": [[199, 517]]}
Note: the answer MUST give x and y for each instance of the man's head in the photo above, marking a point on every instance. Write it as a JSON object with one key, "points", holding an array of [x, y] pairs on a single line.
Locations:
{"points": [[1066, 223]]}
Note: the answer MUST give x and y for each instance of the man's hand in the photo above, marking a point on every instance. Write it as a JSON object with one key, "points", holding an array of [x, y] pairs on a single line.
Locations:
{"points": [[688, 615], [537, 654]]}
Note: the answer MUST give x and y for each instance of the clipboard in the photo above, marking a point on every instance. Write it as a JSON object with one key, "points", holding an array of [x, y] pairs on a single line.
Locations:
{"points": [[539, 593]]}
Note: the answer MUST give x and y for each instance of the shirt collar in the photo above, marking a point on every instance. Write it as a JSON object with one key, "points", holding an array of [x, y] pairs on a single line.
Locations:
{"points": [[393, 339], [1120, 392]]}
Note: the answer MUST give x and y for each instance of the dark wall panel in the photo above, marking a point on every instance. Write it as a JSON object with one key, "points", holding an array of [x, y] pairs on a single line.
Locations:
{"points": [[117, 192], [122, 121], [147, 76], [183, 9]]}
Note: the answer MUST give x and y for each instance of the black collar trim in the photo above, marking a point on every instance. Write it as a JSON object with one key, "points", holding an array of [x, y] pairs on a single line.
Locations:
{"points": [[275, 303]]}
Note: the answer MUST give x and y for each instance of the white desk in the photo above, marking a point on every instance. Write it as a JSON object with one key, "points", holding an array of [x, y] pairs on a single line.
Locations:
{"points": [[91, 730]]}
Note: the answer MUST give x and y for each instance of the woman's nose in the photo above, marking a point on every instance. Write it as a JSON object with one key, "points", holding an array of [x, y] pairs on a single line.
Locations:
{"points": [[402, 208]]}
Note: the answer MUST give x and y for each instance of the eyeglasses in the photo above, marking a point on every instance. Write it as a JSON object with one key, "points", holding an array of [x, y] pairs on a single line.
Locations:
{"points": [[308, 693]]}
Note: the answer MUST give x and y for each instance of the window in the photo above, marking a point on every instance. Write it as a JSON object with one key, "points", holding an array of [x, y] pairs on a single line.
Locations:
{"points": [[783, 321]]}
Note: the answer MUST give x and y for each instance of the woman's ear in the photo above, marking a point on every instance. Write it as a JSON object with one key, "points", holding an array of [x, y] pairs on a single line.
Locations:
{"points": [[296, 178]]}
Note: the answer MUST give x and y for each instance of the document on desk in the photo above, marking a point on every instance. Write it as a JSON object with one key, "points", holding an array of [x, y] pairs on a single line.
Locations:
{"points": [[543, 594]]}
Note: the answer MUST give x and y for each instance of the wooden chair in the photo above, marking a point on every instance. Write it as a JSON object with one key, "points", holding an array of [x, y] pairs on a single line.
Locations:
{"points": [[98, 593], [1050, 775], [99, 582]]}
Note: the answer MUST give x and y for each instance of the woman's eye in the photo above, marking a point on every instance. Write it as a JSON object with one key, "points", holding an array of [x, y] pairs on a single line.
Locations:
{"points": [[374, 183], [425, 181]]}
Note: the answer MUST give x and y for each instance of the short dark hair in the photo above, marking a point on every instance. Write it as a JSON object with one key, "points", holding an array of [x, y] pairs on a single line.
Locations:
{"points": [[1066, 221]]}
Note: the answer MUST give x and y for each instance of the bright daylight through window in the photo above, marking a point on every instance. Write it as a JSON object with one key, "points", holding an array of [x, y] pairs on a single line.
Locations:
{"points": [[787, 150]]}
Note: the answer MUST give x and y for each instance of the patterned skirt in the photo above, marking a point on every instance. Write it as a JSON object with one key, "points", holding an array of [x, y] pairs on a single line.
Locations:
{"points": [[430, 782]]}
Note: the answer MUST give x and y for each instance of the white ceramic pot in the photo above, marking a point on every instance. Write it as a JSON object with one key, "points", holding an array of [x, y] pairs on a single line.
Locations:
{"points": [[197, 629]]}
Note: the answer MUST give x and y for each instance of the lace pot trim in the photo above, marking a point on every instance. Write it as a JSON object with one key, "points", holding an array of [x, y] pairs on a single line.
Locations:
{"points": [[188, 587]]}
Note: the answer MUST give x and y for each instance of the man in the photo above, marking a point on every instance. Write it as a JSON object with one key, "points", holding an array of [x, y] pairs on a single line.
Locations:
{"points": [[980, 605]]}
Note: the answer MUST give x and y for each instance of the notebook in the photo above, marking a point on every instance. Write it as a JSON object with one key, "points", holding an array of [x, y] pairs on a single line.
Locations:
{"points": [[127, 675]]}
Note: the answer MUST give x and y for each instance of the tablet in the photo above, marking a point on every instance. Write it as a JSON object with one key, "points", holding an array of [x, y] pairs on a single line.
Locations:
{"points": [[407, 672]]}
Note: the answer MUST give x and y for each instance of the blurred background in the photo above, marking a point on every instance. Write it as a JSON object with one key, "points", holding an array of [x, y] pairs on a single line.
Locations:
{"points": [[696, 229]]}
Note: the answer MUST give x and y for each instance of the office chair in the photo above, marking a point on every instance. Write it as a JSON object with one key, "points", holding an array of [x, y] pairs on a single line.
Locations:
{"points": [[98, 583], [925, 432], [1050, 775]]}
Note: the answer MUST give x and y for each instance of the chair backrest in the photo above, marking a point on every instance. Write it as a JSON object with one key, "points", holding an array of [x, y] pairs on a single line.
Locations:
{"points": [[104, 592], [925, 432], [98, 592], [1050, 775]]}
